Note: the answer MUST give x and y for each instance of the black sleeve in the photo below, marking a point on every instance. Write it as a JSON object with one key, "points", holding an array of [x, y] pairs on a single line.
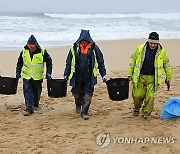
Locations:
{"points": [[48, 60], [100, 61], [67, 70], [19, 65]]}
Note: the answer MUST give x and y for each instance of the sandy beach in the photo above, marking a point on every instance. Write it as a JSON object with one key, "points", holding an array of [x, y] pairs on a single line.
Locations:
{"points": [[56, 129]]}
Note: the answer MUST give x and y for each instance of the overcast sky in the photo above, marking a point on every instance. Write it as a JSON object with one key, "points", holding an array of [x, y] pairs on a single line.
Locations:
{"points": [[90, 6]]}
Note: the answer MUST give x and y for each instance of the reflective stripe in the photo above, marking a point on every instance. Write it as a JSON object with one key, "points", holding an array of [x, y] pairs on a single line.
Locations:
{"points": [[133, 57], [156, 85], [131, 64], [166, 61], [134, 65], [159, 68], [95, 69], [160, 76], [136, 74], [72, 63], [137, 66], [32, 74], [167, 65], [34, 66]]}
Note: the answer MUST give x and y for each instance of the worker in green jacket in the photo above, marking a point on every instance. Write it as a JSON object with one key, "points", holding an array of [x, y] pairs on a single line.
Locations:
{"points": [[146, 71]]}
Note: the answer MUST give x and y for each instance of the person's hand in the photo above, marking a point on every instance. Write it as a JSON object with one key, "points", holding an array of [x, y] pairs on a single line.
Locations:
{"points": [[65, 78], [48, 76], [167, 82], [104, 78], [18, 76]]}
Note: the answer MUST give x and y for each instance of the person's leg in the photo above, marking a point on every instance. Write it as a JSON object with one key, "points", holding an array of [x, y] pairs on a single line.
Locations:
{"points": [[78, 102], [88, 93], [86, 105], [29, 96], [37, 89], [76, 92], [138, 94], [149, 98]]}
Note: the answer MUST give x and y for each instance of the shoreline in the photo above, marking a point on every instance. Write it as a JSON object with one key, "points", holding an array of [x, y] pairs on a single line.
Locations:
{"points": [[116, 55], [56, 46]]}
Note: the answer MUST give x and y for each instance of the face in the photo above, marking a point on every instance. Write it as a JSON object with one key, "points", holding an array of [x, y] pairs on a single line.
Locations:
{"points": [[32, 47], [153, 45], [84, 43]]}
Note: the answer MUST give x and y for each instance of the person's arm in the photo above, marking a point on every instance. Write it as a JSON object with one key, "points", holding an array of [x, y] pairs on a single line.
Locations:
{"points": [[132, 63], [67, 70], [48, 60], [19, 66], [167, 68]]}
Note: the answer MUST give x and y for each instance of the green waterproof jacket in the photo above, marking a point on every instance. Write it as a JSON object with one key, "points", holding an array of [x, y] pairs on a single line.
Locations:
{"points": [[161, 63]]}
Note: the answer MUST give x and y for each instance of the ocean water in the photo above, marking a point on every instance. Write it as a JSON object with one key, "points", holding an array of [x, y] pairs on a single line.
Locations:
{"points": [[57, 29]]}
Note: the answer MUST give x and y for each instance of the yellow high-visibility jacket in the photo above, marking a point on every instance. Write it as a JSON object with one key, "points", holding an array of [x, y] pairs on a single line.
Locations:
{"points": [[161, 62], [33, 68]]}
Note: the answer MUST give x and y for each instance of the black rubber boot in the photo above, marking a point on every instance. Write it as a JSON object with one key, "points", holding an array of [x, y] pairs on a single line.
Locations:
{"points": [[85, 106], [78, 103]]}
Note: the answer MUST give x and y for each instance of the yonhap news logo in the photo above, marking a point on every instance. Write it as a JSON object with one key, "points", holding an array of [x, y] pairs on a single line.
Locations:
{"points": [[104, 139]]}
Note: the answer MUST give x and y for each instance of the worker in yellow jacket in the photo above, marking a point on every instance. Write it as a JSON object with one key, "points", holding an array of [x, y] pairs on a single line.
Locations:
{"points": [[146, 71], [30, 66]]}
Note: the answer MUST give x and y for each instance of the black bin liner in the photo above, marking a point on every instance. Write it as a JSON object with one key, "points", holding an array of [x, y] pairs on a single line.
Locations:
{"points": [[8, 85], [118, 88], [57, 87]]}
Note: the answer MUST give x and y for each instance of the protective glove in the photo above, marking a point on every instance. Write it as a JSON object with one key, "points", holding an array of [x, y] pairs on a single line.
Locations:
{"points": [[104, 78], [48, 76], [65, 78], [18, 76], [167, 83]]}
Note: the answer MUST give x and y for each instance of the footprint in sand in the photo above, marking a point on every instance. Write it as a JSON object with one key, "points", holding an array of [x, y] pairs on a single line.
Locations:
{"points": [[84, 150], [142, 148], [145, 148]]}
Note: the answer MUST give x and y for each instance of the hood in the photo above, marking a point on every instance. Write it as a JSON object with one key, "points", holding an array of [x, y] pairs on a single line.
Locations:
{"points": [[85, 35], [32, 40]]}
